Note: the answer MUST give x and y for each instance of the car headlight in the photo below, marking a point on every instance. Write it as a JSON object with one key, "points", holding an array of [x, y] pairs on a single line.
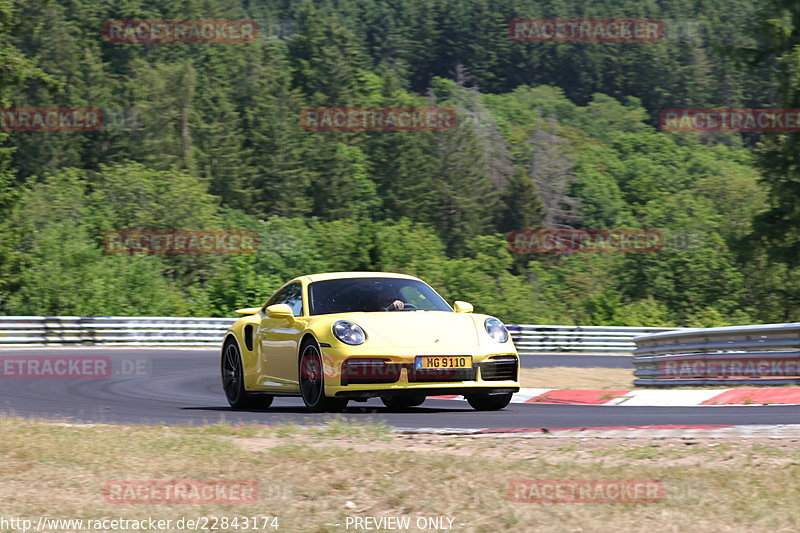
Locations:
{"points": [[349, 333], [496, 329]]}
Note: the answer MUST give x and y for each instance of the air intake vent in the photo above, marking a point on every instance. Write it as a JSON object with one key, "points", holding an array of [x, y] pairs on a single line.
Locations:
{"points": [[500, 368], [361, 371], [248, 337]]}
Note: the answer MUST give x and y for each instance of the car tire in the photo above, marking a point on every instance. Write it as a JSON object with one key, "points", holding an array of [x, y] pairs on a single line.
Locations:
{"points": [[402, 402], [233, 381], [312, 381], [489, 402]]}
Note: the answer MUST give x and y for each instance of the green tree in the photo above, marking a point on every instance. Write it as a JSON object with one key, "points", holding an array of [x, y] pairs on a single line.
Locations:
{"points": [[59, 269], [779, 226]]}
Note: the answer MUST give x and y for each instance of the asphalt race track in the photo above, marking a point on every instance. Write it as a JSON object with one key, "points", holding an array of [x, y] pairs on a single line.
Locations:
{"points": [[182, 387]]}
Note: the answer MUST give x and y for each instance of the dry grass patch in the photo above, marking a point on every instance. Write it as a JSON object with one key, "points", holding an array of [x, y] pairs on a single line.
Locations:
{"points": [[563, 377], [314, 478]]}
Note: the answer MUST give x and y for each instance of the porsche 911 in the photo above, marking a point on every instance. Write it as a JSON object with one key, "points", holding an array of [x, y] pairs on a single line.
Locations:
{"points": [[350, 336]]}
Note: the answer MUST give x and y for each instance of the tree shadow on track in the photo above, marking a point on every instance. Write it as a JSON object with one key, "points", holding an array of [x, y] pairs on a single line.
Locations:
{"points": [[355, 410]]}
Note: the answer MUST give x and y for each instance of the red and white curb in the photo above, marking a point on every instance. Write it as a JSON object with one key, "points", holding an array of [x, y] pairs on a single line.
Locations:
{"points": [[655, 397]]}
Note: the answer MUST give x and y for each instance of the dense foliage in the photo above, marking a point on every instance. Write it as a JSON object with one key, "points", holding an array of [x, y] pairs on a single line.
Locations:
{"points": [[549, 135]]}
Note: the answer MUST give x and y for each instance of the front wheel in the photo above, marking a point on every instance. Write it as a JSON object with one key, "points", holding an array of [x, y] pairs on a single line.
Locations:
{"points": [[312, 381], [233, 382], [489, 402]]}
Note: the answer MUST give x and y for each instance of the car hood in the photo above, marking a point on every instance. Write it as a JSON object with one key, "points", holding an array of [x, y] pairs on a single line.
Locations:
{"points": [[418, 329]]}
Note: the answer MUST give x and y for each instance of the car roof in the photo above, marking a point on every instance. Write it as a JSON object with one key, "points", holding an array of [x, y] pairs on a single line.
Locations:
{"points": [[344, 275]]}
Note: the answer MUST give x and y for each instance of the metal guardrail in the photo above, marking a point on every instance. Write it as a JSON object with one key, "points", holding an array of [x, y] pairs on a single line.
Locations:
{"points": [[766, 354], [166, 331], [531, 339], [111, 331]]}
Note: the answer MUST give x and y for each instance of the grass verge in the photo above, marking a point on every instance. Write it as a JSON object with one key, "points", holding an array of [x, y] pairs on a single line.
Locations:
{"points": [[314, 479]]}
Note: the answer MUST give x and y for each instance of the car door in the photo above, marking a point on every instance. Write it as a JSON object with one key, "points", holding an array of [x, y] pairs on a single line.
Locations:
{"points": [[278, 339]]}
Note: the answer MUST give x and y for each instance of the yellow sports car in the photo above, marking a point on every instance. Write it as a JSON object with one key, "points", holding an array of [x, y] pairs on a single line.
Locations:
{"points": [[331, 338]]}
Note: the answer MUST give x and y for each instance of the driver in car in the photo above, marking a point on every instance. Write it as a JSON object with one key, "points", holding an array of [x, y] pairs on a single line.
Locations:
{"points": [[389, 301]]}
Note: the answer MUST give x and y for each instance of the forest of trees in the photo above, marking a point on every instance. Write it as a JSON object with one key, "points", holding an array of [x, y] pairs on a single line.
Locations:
{"points": [[549, 135]]}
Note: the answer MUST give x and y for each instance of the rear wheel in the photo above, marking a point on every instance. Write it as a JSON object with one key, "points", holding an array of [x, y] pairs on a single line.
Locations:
{"points": [[312, 381], [233, 381], [489, 402], [402, 402]]}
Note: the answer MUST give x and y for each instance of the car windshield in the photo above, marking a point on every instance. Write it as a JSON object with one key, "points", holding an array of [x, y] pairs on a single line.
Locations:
{"points": [[350, 295]]}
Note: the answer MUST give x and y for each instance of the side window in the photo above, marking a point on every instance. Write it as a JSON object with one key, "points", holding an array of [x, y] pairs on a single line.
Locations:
{"points": [[276, 298], [292, 296]]}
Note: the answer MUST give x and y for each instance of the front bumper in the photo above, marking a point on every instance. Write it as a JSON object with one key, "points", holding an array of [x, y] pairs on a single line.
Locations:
{"points": [[364, 377], [427, 391]]}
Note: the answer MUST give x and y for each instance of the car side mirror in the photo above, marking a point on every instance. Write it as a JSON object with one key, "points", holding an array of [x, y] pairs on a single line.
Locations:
{"points": [[279, 311], [462, 307]]}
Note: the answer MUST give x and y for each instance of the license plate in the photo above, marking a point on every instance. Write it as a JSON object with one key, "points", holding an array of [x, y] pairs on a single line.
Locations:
{"points": [[442, 362]]}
